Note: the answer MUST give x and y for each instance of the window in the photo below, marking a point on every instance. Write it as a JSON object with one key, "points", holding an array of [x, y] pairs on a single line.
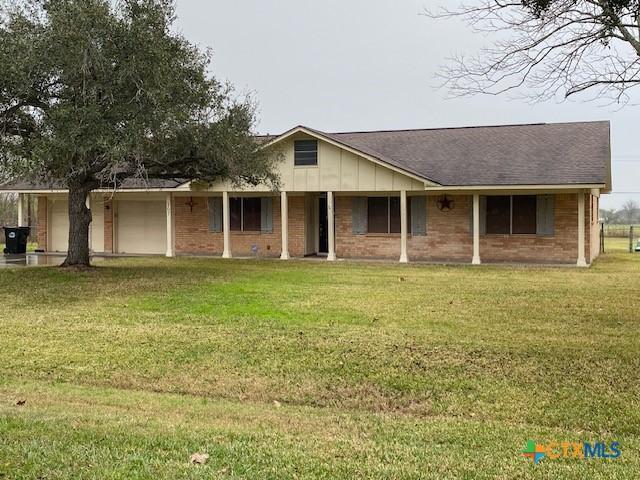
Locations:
{"points": [[378, 215], [498, 214], [516, 214], [383, 215], [245, 214], [524, 214], [305, 153]]}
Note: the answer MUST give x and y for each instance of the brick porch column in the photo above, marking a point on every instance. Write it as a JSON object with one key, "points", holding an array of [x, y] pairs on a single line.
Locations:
{"points": [[331, 255], [284, 211], [226, 225], [403, 227], [476, 230], [581, 258]]}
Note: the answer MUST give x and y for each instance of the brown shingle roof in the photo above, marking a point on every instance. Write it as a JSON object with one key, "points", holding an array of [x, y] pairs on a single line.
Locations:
{"points": [[535, 154]]}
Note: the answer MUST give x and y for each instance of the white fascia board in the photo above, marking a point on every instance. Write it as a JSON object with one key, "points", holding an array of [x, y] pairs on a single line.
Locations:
{"points": [[480, 188]]}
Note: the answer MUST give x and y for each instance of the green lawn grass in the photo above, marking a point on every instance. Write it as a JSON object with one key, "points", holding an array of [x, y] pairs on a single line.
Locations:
{"points": [[317, 370], [614, 245]]}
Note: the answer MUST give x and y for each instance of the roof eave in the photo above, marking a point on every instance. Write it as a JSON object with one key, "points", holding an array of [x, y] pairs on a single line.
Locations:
{"points": [[532, 187]]}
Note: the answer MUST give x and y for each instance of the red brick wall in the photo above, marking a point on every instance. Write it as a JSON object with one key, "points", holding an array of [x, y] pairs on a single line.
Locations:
{"points": [[42, 223], [448, 234], [349, 245], [449, 237], [296, 226], [559, 248], [193, 236]]}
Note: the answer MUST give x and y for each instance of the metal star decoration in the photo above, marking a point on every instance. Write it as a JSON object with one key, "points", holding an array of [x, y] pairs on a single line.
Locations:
{"points": [[445, 203]]}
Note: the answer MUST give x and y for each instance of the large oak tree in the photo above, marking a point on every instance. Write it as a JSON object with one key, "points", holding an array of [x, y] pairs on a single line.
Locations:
{"points": [[549, 48], [94, 93]]}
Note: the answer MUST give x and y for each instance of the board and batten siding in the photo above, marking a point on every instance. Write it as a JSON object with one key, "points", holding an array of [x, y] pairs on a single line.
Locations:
{"points": [[338, 170]]}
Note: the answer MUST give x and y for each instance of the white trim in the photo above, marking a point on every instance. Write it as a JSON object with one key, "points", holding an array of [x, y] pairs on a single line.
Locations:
{"points": [[403, 225], [331, 255], [284, 227], [20, 209], [87, 203], [186, 188], [476, 230], [226, 225], [582, 262], [169, 212], [472, 188]]}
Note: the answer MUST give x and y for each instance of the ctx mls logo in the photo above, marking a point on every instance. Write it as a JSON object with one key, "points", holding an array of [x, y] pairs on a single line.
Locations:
{"points": [[578, 450]]}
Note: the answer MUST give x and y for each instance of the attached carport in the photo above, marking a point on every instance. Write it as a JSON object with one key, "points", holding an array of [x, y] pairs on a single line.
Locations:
{"points": [[136, 219]]}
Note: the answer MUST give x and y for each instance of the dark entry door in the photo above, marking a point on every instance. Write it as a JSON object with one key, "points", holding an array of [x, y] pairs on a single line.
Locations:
{"points": [[323, 227]]}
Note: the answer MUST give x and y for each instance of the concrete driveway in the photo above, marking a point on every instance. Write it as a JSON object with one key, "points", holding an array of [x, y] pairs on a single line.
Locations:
{"points": [[29, 259]]}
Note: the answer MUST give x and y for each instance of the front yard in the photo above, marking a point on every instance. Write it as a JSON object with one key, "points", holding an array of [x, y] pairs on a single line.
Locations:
{"points": [[316, 370]]}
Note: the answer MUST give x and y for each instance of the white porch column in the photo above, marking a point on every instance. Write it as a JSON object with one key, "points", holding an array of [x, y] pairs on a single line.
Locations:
{"points": [[226, 225], [169, 205], [581, 259], [20, 212], [284, 211], [476, 230], [403, 227], [87, 202], [331, 255]]}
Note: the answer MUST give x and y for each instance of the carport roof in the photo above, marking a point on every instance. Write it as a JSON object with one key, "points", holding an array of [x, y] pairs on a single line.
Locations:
{"points": [[131, 184]]}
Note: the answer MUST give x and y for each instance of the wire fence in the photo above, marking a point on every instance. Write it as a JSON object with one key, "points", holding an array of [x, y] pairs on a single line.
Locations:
{"points": [[620, 238]]}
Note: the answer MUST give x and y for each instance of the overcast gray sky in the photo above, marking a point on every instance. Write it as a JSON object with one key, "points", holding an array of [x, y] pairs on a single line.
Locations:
{"points": [[339, 65]]}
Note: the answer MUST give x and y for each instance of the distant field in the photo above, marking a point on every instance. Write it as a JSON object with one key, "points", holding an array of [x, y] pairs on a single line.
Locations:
{"points": [[619, 230], [317, 370], [613, 245]]}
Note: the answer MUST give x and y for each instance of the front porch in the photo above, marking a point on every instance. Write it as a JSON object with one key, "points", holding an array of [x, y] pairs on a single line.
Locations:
{"points": [[401, 226], [332, 226]]}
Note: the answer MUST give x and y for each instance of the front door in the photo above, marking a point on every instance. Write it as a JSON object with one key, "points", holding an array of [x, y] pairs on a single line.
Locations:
{"points": [[323, 226]]}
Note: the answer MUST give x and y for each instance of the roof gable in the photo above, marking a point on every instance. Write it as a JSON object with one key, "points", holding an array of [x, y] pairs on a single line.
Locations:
{"points": [[535, 154]]}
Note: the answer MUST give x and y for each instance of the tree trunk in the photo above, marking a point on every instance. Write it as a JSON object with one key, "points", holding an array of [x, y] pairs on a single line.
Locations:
{"points": [[79, 221]]}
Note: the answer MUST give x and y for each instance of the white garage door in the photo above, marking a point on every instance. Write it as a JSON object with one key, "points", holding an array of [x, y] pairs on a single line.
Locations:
{"points": [[97, 224], [142, 227], [59, 225]]}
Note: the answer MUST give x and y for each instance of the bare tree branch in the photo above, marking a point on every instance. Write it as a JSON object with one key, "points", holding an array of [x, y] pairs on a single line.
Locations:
{"points": [[546, 49]]}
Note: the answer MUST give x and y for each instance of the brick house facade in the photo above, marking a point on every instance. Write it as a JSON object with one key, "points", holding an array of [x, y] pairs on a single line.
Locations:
{"points": [[526, 193]]}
